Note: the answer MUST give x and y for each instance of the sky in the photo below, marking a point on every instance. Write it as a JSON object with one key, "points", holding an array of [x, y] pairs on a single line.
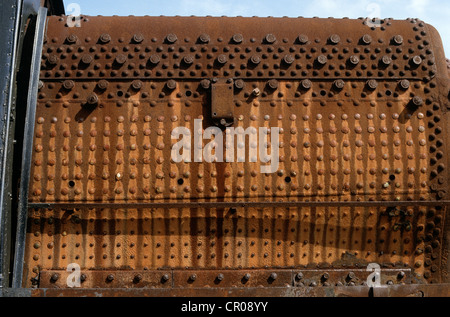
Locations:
{"points": [[434, 12]]}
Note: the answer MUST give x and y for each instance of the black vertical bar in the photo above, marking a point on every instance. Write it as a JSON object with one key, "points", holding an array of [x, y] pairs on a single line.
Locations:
{"points": [[9, 37], [27, 147]]}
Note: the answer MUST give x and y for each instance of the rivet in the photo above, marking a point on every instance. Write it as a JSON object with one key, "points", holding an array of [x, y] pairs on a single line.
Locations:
{"points": [[270, 38], [120, 59], [105, 38], [204, 38], [255, 59], [193, 277], [54, 277], [354, 60], [92, 99], [416, 60], [188, 59], [386, 60], [154, 59], [110, 278], [288, 59], [220, 277], [68, 84], [366, 39], [273, 84], [222, 59], [171, 38], [322, 59], [306, 84], [417, 101], [334, 39], [404, 84], [372, 84], [238, 38], [398, 39], [247, 276], [339, 83], [171, 84]]}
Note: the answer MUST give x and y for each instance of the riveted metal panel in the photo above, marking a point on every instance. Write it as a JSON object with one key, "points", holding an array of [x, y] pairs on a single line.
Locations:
{"points": [[361, 122]]}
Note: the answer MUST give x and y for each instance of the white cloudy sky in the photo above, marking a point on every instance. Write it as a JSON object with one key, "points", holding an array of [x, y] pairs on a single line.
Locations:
{"points": [[434, 12]]}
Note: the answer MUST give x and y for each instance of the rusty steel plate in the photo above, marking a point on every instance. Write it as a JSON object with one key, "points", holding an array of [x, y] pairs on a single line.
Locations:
{"points": [[361, 114]]}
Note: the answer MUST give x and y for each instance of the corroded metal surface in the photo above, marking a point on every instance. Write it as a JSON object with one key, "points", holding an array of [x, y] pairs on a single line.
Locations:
{"points": [[363, 118]]}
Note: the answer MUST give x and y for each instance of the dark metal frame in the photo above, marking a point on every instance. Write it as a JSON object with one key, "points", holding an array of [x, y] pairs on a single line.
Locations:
{"points": [[9, 37], [27, 146]]}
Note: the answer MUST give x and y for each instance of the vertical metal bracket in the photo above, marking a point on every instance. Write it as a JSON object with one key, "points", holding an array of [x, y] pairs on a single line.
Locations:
{"points": [[27, 147], [222, 102]]}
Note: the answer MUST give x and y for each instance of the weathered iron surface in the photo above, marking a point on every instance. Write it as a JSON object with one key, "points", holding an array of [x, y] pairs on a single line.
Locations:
{"points": [[363, 116]]}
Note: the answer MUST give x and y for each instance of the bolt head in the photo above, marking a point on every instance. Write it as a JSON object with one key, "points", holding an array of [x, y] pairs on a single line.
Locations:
{"points": [[110, 278], [302, 39], [255, 59], [171, 38], [238, 38], [270, 38], [105, 38], [306, 84]]}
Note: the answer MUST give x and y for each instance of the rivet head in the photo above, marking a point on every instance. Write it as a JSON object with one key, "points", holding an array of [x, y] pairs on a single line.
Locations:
{"points": [[92, 99], [87, 59], [239, 84], [71, 39], [354, 60], [273, 276], [137, 278], [154, 59], [171, 38], [247, 276], [417, 60], [302, 39], [105, 38], [288, 59], [351, 275], [322, 59], [386, 60], [270, 38], [205, 83], [366, 39], [339, 83], [299, 276], [188, 59], [306, 84], [334, 39], [404, 84], [417, 101], [68, 84], [255, 59], [238, 38], [193, 277], [220, 277], [204, 38], [102, 84], [372, 84], [398, 39], [326, 276], [54, 277], [136, 84], [222, 59], [138, 38], [171, 84], [273, 83], [165, 278], [110, 278], [52, 59], [121, 59]]}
